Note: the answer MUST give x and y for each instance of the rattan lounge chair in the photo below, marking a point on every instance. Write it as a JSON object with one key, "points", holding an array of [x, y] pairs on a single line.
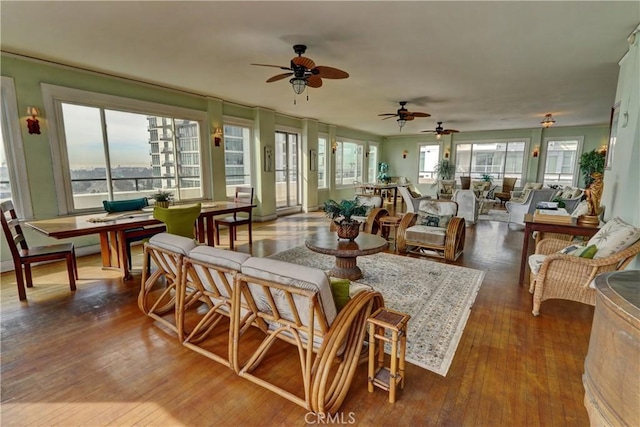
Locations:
{"points": [[569, 277], [292, 303]]}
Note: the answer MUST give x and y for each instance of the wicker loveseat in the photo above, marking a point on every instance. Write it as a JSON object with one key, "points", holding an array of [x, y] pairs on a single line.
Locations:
{"points": [[433, 230], [233, 308]]}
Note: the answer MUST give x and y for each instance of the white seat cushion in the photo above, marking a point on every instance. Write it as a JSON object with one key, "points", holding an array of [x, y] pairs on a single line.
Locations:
{"points": [[427, 235], [174, 243]]}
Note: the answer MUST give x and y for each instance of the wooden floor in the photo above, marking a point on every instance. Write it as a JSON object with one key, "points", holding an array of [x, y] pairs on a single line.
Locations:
{"points": [[90, 358]]}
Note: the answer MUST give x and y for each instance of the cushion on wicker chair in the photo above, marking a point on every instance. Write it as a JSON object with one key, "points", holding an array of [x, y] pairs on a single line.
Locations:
{"points": [[615, 236], [173, 243]]}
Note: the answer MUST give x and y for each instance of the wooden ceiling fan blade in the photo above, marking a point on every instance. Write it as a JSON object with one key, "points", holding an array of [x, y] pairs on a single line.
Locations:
{"points": [[451, 131], [274, 66], [330, 73], [416, 114], [408, 117], [428, 131], [304, 62], [314, 81], [388, 116], [279, 77]]}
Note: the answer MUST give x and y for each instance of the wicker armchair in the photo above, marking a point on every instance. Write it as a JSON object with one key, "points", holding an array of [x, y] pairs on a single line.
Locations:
{"points": [[293, 303], [569, 277], [445, 242], [370, 223]]}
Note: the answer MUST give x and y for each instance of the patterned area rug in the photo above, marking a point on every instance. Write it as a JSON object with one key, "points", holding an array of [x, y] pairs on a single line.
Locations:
{"points": [[437, 296], [495, 215]]}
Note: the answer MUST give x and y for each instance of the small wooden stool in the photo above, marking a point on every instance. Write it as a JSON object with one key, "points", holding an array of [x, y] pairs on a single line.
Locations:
{"points": [[382, 321], [388, 222]]}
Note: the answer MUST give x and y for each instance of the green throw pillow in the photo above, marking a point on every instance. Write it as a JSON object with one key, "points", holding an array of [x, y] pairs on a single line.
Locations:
{"points": [[432, 220], [340, 291], [125, 205], [581, 251]]}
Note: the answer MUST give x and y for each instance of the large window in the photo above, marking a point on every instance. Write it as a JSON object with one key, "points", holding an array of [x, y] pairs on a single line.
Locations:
{"points": [[237, 157], [561, 161], [13, 174], [496, 159], [429, 156], [323, 143], [112, 148], [372, 157], [288, 189], [349, 163]]}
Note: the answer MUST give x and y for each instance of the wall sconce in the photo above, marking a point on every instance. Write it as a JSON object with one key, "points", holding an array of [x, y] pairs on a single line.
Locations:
{"points": [[334, 147], [32, 123], [536, 151], [404, 154], [446, 153], [603, 150], [217, 136]]}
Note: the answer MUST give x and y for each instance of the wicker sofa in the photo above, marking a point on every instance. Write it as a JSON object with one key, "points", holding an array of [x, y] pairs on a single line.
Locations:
{"points": [[219, 301]]}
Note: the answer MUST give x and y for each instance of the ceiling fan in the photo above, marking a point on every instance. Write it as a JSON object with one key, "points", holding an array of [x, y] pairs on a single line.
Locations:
{"points": [[439, 131], [305, 72], [404, 115]]}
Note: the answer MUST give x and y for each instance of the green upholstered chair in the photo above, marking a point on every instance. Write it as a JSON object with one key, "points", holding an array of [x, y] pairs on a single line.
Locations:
{"points": [[179, 220]]}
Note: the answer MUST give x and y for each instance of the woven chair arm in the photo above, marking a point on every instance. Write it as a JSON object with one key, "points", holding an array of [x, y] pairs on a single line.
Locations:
{"points": [[330, 385], [372, 225], [407, 221], [548, 246]]}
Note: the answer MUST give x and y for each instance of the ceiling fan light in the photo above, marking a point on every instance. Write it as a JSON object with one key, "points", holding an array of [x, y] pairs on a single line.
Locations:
{"points": [[438, 135], [401, 123], [548, 121], [299, 84]]}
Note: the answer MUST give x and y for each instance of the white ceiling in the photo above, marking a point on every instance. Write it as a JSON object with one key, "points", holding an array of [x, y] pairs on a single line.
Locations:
{"points": [[473, 65]]}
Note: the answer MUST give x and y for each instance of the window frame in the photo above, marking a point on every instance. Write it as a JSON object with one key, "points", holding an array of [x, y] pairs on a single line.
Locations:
{"points": [[325, 166], [438, 144], [362, 145], [54, 96], [366, 178], [497, 181], [14, 150], [576, 162], [238, 122]]}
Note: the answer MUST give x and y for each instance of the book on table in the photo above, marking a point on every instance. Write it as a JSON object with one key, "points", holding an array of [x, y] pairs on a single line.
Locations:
{"points": [[558, 216]]}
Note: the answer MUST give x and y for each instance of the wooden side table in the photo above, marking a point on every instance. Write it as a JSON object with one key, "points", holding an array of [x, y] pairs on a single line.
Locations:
{"points": [[386, 224], [381, 322]]}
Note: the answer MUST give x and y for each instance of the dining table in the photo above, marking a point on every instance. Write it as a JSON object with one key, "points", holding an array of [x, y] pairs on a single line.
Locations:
{"points": [[111, 228], [380, 189]]}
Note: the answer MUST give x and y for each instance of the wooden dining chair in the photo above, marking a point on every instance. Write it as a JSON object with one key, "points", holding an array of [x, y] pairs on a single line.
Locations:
{"points": [[23, 255], [243, 195]]}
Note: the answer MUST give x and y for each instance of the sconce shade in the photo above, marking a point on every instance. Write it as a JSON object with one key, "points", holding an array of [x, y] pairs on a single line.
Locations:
{"points": [[299, 84], [33, 111], [548, 121]]}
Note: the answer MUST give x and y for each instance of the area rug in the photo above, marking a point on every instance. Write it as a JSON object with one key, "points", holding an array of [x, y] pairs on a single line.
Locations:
{"points": [[494, 215], [437, 296]]}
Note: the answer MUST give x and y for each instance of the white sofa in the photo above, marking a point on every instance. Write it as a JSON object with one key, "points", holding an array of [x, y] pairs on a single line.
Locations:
{"points": [[518, 208]]}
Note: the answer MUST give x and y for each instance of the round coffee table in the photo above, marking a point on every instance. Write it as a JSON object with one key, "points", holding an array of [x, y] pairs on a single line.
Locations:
{"points": [[346, 252]]}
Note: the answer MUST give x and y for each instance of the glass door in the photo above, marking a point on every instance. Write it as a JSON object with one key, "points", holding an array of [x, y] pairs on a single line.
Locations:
{"points": [[287, 182]]}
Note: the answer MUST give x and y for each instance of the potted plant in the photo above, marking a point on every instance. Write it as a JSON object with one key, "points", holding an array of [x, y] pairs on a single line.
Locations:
{"points": [[341, 214], [162, 198], [444, 169], [590, 162]]}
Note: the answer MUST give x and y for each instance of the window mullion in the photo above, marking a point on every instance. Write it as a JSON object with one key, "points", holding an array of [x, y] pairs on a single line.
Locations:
{"points": [[107, 157]]}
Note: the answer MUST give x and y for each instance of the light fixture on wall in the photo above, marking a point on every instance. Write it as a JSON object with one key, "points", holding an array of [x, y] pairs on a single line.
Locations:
{"points": [[548, 121], [32, 123], [603, 149], [536, 151], [217, 136], [334, 147], [446, 153], [404, 154]]}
